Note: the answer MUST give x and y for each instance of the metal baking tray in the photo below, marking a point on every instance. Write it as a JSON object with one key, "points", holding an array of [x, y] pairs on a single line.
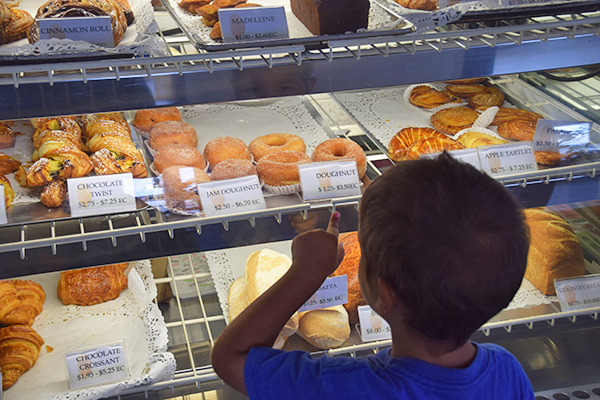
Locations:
{"points": [[381, 23]]}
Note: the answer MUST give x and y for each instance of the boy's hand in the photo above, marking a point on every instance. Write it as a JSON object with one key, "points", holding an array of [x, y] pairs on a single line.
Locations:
{"points": [[317, 253]]}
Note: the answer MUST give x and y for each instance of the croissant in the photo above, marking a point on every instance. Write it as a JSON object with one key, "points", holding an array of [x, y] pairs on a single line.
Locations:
{"points": [[403, 139], [89, 286], [20, 347], [31, 297], [8, 164], [9, 193], [116, 154], [9, 300]]}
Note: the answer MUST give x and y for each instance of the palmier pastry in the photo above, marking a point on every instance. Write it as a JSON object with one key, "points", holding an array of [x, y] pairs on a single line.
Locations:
{"points": [[427, 97], [9, 193], [506, 114], [20, 347], [453, 120], [488, 98], [54, 194], [7, 136], [431, 145], [403, 139], [464, 91], [550, 157], [518, 129], [8, 164], [89, 286], [425, 5], [472, 140]]}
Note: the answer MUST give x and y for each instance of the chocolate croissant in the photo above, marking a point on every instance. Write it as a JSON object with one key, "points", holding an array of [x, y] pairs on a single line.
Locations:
{"points": [[20, 347], [89, 286]]}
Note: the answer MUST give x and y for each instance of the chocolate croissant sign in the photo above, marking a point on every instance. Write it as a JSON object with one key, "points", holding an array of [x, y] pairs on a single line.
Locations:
{"points": [[97, 366]]}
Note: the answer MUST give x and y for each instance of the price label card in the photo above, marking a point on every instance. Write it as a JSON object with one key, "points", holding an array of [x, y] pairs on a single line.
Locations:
{"points": [[323, 180], [561, 136], [578, 293], [231, 196], [97, 366], [372, 326], [507, 159], [253, 23], [333, 292], [97, 30], [94, 195], [3, 219]]}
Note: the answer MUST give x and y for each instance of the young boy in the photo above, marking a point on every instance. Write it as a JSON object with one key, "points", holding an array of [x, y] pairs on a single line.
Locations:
{"points": [[444, 248]]}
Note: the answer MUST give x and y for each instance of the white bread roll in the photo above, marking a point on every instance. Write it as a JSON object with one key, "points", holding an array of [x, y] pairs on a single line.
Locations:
{"points": [[325, 328], [263, 269], [237, 299]]}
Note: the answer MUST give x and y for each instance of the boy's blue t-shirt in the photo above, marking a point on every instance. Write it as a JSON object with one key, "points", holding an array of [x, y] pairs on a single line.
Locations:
{"points": [[276, 374]]}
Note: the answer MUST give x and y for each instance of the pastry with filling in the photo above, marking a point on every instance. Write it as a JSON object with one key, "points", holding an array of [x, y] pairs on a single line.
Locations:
{"points": [[89, 286], [431, 145], [453, 120], [472, 140], [404, 138]]}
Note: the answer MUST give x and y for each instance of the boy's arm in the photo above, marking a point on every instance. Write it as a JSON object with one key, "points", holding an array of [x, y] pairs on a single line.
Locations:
{"points": [[315, 255]]}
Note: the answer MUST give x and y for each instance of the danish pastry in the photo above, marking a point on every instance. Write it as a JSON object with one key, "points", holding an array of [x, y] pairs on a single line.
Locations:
{"points": [[403, 139], [54, 193], [427, 97], [473, 140], [453, 120], [431, 145]]}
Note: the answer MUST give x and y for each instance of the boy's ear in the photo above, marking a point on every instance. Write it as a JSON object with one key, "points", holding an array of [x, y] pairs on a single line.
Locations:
{"points": [[387, 297]]}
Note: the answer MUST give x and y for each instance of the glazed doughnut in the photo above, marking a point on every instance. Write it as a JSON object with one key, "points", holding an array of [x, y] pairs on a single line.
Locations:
{"points": [[274, 143], [339, 149], [232, 168], [281, 169], [178, 154], [144, 120], [224, 148], [172, 132], [517, 129], [179, 183]]}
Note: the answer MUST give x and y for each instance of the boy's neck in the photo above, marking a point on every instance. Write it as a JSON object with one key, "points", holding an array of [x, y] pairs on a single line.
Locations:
{"points": [[414, 345]]}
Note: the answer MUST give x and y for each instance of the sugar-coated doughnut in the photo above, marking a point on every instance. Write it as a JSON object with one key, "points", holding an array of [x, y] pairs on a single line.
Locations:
{"points": [[172, 132], [144, 120], [274, 143], [339, 149], [178, 154], [232, 168], [224, 148], [281, 169], [179, 184]]}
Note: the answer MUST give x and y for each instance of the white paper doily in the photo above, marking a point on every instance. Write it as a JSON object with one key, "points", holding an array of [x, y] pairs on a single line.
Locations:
{"points": [[132, 316]]}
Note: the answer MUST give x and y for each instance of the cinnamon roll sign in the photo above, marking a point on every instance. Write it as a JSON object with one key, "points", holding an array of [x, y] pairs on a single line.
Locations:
{"points": [[97, 30]]}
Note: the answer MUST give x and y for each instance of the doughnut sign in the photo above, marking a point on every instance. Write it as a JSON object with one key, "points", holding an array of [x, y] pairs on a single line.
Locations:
{"points": [[231, 196], [329, 179]]}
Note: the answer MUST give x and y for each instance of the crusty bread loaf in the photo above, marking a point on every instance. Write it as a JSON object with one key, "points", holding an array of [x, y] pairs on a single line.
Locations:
{"points": [[554, 251], [349, 267], [325, 328]]}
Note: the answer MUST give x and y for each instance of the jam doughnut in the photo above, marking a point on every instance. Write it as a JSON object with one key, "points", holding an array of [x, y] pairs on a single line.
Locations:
{"points": [[178, 154], [224, 148], [232, 168], [281, 169], [274, 143], [172, 132], [144, 120], [341, 149], [180, 186]]}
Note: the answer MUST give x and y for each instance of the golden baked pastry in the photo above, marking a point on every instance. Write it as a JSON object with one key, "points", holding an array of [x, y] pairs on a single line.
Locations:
{"points": [[349, 267], [453, 120], [20, 347], [7, 136], [464, 90], [431, 145], [53, 195], [9, 193], [20, 301], [58, 160], [404, 138], [554, 250], [506, 114], [69, 128], [15, 23], [8, 164], [517, 129], [427, 97], [89, 286], [425, 5], [490, 97], [472, 140]]}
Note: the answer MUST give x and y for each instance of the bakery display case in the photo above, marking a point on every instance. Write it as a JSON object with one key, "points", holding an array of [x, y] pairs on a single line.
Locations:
{"points": [[348, 87]]}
